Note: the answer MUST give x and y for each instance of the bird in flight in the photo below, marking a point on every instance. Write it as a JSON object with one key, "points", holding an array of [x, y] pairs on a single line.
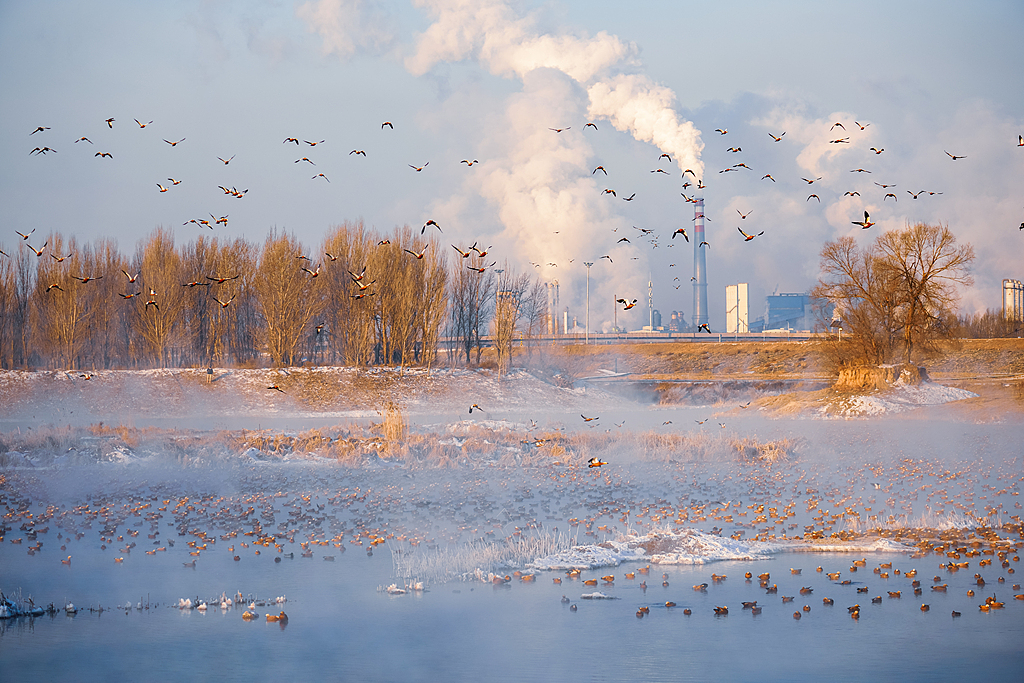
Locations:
{"points": [[665, 156], [39, 252], [428, 224], [132, 279], [39, 129], [110, 123], [481, 268], [469, 163], [839, 141], [464, 254], [287, 140], [59, 259], [611, 192], [228, 160], [41, 150], [862, 125], [162, 188], [744, 215], [420, 253], [590, 125], [174, 182], [609, 258], [837, 124], [174, 144], [274, 387], [877, 150], [746, 237], [314, 273], [419, 168], [141, 124], [601, 169], [953, 156], [320, 175], [915, 196], [24, 235], [864, 224], [313, 144], [590, 419], [884, 186], [776, 138], [660, 170], [594, 462], [815, 196], [224, 304], [768, 176], [623, 239], [388, 124], [194, 283], [734, 149], [809, 181], [54, 286], [83, 139], [704, 244], [362, 295], [559, 130], [851, 194], [704, 327], [104, 154], [357, 151], [681, 231], [330, 256], [721, 131], [629, 198], [306, 159], [222, 280], [626, 305], [859, 170], [1020, 140], [87, 278], [476, 407], [357, 278], [890, 194]]}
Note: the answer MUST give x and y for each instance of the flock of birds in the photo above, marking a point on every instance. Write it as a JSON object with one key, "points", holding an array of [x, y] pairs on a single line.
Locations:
{"points": [[838, 135]]}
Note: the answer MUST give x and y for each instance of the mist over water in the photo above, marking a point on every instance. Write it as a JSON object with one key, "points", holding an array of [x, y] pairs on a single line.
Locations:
{"points": [[461, 529]]}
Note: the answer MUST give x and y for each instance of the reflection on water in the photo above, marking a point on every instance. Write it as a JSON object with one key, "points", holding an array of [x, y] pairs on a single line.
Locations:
{"points": [[851, 482]]}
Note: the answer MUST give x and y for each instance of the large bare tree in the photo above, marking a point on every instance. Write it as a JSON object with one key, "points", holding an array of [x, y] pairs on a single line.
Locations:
{"points": [[897, 294], [287, 296]]}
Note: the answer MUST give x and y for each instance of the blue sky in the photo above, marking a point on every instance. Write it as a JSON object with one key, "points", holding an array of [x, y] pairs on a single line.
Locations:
{"points": [[486, 80]]}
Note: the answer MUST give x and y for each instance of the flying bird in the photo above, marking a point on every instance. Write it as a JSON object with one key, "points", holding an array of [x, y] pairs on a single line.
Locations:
{"points": [[953, 156], [629, 198], [110, 123], [388, 124], [877, 150], [884, 186], [859, 170], [626, 305], [104, 154], [744, 215], [141, 124], [481, 268], [776, 138], [915, 196], [704, 327], [840, 141], [837, 124], [890, 194], [39, 129], [313, 144], [274, 387], [320, 175], [611, 192], [228, 160], [590, 419], [357, 151], [681, 231], [174, 144], [287, 140], [174, 182], [768, 176], [734, 149], [746, 237], [87, 278], [809, 181], [590, 125], [54, 285], [862, 125], [39, 252], [132, 279], [418, 255], [704, 244], [559, 130], [419, 168], [469, 163], [162, 188], [222, 280], [624, 239], [224, 304], [594, 462], [314, 273], [601, 169], [866, 223], [306, 159], [854, 193], [609, 258], [721, 131], [59, 259], [665, 156], [428, 224], [83, 139], [476, 407], [815, 196], [24, 235]]}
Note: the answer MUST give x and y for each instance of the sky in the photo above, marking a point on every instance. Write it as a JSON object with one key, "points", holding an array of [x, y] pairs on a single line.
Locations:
{"points": [[488, 81]]}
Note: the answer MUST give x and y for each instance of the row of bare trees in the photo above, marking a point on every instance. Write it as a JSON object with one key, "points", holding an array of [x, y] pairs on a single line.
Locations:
{"points": [[362, 299]]}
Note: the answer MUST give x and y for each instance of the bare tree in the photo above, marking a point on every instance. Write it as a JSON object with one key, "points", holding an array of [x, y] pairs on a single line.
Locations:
{"points": [[512, 288], [472, 300], [286, 294], [62, 302], [158, 311], [896, 294]]}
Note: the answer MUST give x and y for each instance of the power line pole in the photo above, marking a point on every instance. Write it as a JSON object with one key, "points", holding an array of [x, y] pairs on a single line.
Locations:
{"points": [[587, 330]]}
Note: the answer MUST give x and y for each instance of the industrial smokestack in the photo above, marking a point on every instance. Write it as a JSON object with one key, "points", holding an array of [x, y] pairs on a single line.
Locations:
{"points": [[700, 284]]}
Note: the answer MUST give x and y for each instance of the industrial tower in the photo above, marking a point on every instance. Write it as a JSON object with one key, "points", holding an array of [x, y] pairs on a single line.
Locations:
{"points": [[700, 270]]}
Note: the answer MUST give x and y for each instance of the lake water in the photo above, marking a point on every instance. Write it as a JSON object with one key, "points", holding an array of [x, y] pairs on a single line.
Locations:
{"points": [[342, 626]]}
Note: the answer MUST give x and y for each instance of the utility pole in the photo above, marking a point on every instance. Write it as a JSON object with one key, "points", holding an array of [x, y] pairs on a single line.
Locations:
{"points": [[587, 330]]}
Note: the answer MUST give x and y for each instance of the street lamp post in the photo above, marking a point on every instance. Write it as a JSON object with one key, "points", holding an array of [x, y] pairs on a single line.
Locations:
{"points": [[587, 330]]}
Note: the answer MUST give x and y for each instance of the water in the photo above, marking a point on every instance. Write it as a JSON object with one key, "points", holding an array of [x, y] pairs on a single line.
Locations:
{"points": [[342, 626]]}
